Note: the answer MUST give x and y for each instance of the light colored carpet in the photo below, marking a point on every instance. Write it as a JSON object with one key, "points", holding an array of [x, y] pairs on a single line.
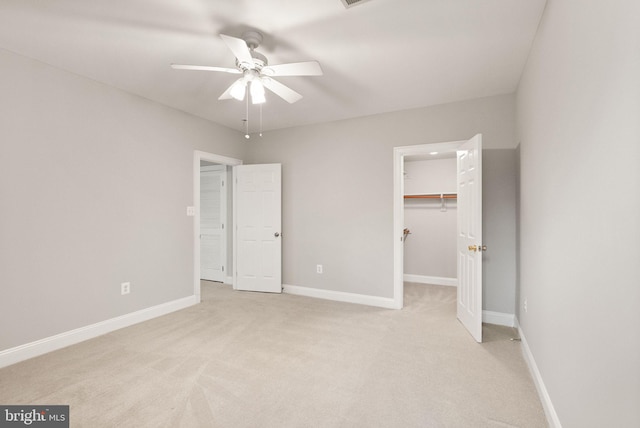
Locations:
{"points": [[260, 360]]}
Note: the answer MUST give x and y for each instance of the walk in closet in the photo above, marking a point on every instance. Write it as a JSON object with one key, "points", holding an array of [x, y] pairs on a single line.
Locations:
{"points": [[430, 213]]}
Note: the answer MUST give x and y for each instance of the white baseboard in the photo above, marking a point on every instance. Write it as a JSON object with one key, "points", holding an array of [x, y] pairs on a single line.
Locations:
{"points": [[62, 340], [228, 280], [547, 405], [340, 296], [435, 280], [499, 318]]}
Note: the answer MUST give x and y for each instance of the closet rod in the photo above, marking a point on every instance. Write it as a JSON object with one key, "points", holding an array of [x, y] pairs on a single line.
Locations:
{"points": [[434, 196]]}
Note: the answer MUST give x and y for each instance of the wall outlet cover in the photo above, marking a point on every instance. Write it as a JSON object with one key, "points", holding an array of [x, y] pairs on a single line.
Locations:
{"points": [[125, 288]]}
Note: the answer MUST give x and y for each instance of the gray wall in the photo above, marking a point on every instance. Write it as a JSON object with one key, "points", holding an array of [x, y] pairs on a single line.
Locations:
{"points": [[579, 131], [338, 188], [499, 230], [94, 185]]}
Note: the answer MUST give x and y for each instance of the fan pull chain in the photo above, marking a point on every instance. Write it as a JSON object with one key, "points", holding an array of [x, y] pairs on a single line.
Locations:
{"points": [[260, 120], [246, 121]]}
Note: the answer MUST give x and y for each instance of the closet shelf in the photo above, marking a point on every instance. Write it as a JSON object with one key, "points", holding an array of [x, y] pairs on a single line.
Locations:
{"points": [[433, 196]]}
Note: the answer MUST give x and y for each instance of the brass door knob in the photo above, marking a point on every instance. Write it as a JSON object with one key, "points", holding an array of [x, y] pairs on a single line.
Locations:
{"points": [[475, 248]]}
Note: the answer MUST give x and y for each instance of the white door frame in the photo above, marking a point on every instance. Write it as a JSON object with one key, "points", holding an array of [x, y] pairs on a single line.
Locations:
{"points": [[398, 208], [197, 157]]}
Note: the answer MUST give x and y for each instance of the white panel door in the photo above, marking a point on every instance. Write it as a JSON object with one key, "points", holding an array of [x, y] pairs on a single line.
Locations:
{"points": [[258, 222], [213, 213], [469, 247]]}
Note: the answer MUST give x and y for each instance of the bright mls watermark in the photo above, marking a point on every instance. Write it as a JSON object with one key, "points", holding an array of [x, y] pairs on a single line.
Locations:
{"points": [[34, 416]]}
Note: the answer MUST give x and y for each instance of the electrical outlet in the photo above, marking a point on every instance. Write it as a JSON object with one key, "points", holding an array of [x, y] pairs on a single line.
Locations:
{"points": [[318, 268], [191, 211], [524, 305], [125, 288]]}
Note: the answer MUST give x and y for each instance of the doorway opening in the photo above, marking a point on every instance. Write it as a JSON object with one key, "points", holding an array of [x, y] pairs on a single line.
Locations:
{"points": [[430, 214], [215, 224], [224, 164], [399, 155], [468, 225]]}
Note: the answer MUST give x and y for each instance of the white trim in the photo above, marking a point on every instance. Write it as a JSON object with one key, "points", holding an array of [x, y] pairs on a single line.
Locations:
{"points": [[435, 280], [62, 340], [547, 405], [234, 198], [398, 207], [499, 318], [398, 226], [209, 157], [228, 280], [340, 296]]}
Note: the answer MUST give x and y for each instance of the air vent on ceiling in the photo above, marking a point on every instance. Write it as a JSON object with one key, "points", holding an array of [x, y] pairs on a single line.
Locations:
{"points": [[351, 3]]}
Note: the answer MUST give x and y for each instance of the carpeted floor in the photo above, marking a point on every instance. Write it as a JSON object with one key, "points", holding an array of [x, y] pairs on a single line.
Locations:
{"points": [[260, 360]]}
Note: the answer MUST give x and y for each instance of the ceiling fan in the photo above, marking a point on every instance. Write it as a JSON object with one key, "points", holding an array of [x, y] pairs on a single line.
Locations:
{"points": [[256, 72]]}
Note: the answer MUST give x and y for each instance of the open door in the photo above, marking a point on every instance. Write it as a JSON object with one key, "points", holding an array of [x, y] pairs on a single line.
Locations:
{"points": [[258, 210], [469, 247]]}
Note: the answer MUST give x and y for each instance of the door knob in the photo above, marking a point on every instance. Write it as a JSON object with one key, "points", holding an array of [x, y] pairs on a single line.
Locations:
{"points": [[475, 248], [276, 234]]}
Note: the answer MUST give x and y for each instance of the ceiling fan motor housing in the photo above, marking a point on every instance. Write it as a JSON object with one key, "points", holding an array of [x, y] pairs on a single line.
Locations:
{"points": [[253, 40]]}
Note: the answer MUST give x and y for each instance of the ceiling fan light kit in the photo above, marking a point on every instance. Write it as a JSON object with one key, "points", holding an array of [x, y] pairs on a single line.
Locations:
{"points": [[257, 92], [238, 89]]}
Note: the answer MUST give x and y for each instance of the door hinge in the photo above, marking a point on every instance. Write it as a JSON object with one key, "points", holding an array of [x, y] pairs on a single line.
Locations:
{"points": [[222, 183], [222, 225], [222, 268]]}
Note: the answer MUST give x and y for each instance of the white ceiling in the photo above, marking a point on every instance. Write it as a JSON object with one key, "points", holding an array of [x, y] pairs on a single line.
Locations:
{"points": [[378, 56]]}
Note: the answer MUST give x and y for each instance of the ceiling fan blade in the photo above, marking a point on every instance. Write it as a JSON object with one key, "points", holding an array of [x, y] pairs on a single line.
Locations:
{"points": [[205, 68], [239, 48], [226, 95], [308, 68], [281, 90]]}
